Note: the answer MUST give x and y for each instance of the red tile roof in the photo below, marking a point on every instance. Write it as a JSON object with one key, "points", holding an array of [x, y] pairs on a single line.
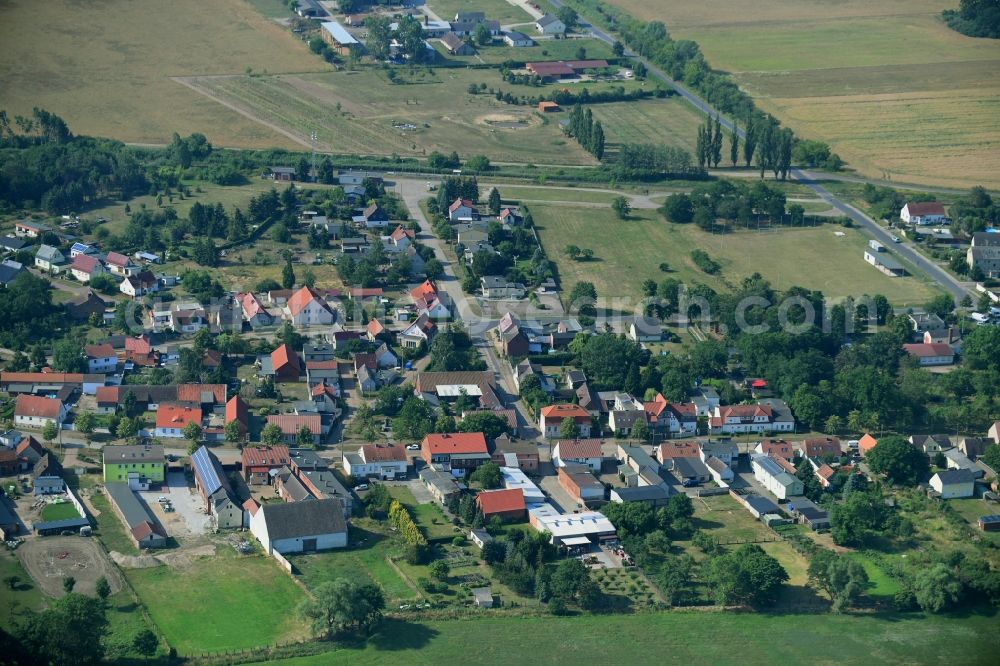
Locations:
{"points": [[322, 365], [237, 410], [820, 446], [375, 328], [565, 411], [383, 453], [103, 350], [866, 443], [671, 450], [457, 442], [284, 356], [107, 394], [925, 208], [42, 377], [401, 232], [424, 290], [458, 203], [177, 416], [574, 449], [928, 349], [777, 448], [37, 406], [745, 411], [364, 358], [290, 424], [146, 529], [192, 392], [265, 456], [251, 305], [85, 263], [303, 297], [29, 443], [117, 259], [139, 345], [491, 502]]}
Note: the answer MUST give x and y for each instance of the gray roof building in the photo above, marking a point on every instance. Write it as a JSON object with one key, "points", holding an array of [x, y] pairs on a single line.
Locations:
{"points": [[294, 520]]}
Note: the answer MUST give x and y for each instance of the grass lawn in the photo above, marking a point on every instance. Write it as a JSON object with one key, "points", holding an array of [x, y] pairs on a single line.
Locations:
{"points": [[526, 194], [364, 112], [972, 509], [365, 560], [670, 121], [685, 637], [882, 585], [124, 623], [495, 10], [207, 606], [60, 511], [25, 595], [626, 252], [110, 530], [429, 518], [89, 75], [888, 84]]}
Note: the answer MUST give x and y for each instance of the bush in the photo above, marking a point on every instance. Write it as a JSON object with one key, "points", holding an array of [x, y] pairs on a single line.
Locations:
{"points": [[705, 262]]}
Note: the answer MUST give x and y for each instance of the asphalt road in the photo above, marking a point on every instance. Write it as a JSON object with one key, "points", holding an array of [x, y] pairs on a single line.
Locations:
{"points": [[934, 272]]}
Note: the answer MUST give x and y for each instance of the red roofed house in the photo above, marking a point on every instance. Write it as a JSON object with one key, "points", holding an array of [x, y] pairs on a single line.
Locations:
{"points": [[746, 418], [817, 447], [428, 302], [172, 419], [667, 417], [292, 424], [824, 473], [400, 238], [383, 461], [101, 358], [671, 450], [551, 418], [120, 264], [307, 308], [462, 209], [578, 452], [934, 353], [254, 312], [285, 364], [258, 461], [139, 284], [924, 212], [85, 266], [776, 448], [866, 444], [455, 451], [505, 504], [424, 290], [237, 410], [374, 329], [31, 411]]}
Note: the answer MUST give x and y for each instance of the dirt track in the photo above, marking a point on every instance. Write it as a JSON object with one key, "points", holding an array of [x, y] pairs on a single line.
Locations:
{"points": [[50, 559]]}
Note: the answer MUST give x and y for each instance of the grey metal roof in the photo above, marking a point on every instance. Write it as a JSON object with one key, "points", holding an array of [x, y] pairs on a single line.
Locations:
{"points": [[642, 493], [114, 455], [293, 520], [962, 475], [129, 505], [688, 468], [761, 504]]}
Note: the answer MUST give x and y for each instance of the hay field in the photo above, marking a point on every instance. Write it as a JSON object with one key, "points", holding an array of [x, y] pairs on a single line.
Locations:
{"points": [[363, 112], [626, 252], [105, 65], [893, 89]]}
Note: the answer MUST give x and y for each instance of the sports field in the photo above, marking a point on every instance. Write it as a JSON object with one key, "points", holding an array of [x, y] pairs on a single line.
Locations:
{"points": [[888, 84], [223, 602], [425, 110], [626, 252], [106, 66], [680, 637]]}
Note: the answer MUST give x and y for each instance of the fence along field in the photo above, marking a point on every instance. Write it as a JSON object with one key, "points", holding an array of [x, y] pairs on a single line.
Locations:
{"points": [[888, 84], [105, 67]]}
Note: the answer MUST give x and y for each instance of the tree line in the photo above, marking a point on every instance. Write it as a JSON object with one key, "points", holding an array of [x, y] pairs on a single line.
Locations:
{"points": [[588, 132]]}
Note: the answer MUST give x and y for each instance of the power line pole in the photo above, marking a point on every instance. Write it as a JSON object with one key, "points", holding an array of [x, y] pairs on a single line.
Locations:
{"points": [[313, 139]]}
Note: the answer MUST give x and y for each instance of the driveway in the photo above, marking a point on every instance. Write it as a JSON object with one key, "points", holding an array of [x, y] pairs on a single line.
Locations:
{"points": [[558, 496], [188, 517]]}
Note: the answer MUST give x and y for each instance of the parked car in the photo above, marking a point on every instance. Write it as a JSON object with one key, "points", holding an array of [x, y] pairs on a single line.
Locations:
{"points": [[690, 483], [413, 447], [361, 486], [895, 238]]}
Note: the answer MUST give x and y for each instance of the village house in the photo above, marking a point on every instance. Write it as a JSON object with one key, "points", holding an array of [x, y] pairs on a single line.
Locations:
{"points": [[32, 411], [456, 452], [455, 45], [497, 287], [507, 452], [120, 264], [238, 411], [954, 483], [984, 253], [807, 513], [932, 354], [507, 505], [551, 418], [820, 447], [382, 461], [516, 39], [931, 444], [292, 425], [85, 266], [258, 461], [550, 25], [642, 329], [462, 210], [776, 448], [923, 213], [254, 312], [49, 259], [441, 485], [375, 217], [418, 333], [139, 284], [140, 466], [766, 416], [586, 452], [172, 419], [282, 365], [774, 477], [578, 481], [307, 308], [101, 358]]}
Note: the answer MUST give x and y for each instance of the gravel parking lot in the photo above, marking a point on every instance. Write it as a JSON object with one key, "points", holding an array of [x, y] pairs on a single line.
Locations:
{"points": [[189, 517], [558, 495]]}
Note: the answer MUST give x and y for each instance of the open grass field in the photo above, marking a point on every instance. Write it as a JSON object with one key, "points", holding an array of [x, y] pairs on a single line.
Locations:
{"points": [[107, 70], [686, 637], [61, 511], [364, 112], [670, 121], [528, 194], [888, 84], [26, 595], [220, 602], [629, 251], [495, 10]]}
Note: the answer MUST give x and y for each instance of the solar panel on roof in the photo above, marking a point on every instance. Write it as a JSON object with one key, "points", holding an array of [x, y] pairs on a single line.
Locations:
{"points": [[206, 471]]}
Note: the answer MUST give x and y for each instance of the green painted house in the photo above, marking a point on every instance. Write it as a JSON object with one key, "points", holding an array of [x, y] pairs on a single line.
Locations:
{"points": [[138, 466]]}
